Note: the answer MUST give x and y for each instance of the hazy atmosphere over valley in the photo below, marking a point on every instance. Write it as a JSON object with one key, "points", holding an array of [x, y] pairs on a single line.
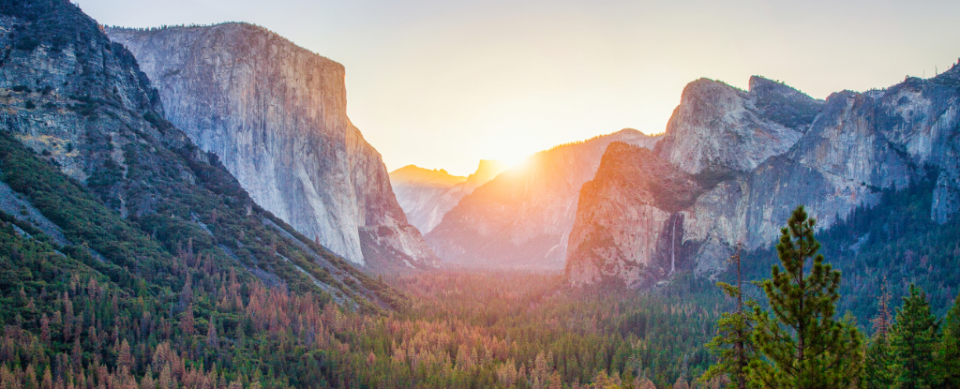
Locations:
{"points": [[371, 194]]}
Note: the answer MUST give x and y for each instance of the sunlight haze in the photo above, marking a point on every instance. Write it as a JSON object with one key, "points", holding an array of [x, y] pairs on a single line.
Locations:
{"points": [[443, 84]]}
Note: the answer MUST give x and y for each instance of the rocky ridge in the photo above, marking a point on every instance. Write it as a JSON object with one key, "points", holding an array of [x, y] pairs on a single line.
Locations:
{"points": [[627, 215], [718, 129], [427, 195], [275, 115], [855, 146], [84, 142], [523, 217]]}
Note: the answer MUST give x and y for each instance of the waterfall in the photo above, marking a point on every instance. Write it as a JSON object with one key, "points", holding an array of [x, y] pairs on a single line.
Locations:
{"points": [[673, 246]]}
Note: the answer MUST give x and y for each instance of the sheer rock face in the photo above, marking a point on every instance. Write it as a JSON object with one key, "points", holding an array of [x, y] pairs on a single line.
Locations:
{"points": [[718, 128], [81, 103], [523, 217], [427, 195], [627, 218], [855, 146], [275, 114]]}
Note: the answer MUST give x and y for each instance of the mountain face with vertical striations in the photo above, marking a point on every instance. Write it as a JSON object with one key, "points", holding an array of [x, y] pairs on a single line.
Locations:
{"points": [[426, 195], [632, 242], [523, 217], [275, 115], [757, 155], [718, 129], [89, 166]]}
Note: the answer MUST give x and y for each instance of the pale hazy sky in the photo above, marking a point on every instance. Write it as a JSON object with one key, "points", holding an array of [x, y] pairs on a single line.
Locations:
{"points": [[444, 83]]}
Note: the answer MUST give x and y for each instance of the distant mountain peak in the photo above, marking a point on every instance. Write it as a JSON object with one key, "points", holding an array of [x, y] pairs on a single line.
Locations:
{"points": [[416, 175], [486, 171], [522, 217]]}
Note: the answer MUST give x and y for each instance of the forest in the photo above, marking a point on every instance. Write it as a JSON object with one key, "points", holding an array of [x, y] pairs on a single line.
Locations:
{"points": [[180, 317], [207, 290]]}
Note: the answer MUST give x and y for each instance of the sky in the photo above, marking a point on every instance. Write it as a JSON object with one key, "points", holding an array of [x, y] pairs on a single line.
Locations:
{"points": [[445, 83]]}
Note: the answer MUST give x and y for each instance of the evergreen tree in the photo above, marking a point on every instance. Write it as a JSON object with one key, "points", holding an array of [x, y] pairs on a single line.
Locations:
{"points": [[950, 353], [733, 345], [915, 336], [802, 344], [878, 369], [878, 366]]}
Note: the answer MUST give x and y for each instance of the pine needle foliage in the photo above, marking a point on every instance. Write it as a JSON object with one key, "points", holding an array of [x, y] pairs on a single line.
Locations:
{"points": [[801, 344], [916, 335], [950, 353], [878, 370], [733, 345]]}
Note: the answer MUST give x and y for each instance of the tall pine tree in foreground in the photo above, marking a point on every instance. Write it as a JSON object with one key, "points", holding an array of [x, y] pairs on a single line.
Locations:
{"points": [[950, 351], [801, 343], [915, 338], [732, 345]]}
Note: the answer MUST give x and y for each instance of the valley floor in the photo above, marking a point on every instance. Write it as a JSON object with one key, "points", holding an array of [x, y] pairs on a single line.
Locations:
{"points": [[528, 330]]}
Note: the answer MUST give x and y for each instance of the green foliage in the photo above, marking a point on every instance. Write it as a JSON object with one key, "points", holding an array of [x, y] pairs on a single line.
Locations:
{"points": [[878, 370], [81, 217], [165, 297], [802, 344], [950, 350], [519, 319], [894, 239], [915, 336], [733, 344]]}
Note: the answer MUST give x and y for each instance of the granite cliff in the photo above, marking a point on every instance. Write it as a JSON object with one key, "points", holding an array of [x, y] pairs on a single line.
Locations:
{"points": [[720, 129], [627, 216], [832, 156], [87, 158], [275, 115], [523, 217], [427, 195]]}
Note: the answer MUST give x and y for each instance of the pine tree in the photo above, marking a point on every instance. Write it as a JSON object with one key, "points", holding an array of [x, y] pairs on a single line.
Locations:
{"points": [[802, 344], [212, 339], [733, 345], [950, 350], [915, 336], [878, 366], [878, 372]]}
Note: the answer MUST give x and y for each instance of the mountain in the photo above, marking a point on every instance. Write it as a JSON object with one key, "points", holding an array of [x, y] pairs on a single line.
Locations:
{"points": [[88, 159], [414, 175], [759, 154], [718, 129], [486, 171], [127, 250], [427, 195], [275, 115], [635, 242], [523, 217]]}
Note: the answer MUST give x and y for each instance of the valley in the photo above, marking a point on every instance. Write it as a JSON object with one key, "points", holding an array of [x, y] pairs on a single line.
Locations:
{"points": [[191, 207]]}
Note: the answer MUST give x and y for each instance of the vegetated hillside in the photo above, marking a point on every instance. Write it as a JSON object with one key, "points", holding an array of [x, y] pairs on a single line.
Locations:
{"points": [[523, 217], [427, 195], [275, 115], [893, 243], [128, 253], [856, 148]]}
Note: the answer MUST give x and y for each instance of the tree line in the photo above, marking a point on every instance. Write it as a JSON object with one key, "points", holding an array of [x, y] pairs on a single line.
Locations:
{"points": [[794, 339]]}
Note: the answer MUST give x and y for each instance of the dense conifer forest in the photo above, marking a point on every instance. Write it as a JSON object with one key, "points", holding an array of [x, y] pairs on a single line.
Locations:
{"points": [[210, 291], [72, 320]]}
